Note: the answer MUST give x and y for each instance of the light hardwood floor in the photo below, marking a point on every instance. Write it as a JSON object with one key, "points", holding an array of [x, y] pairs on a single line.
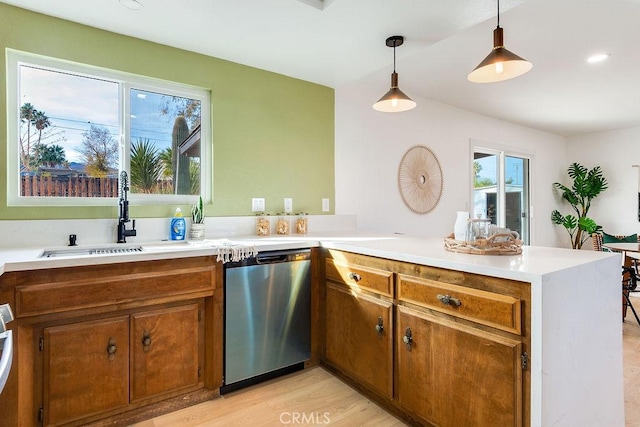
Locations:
{"points": [[316, 397], [309, 397], [631, 354]]}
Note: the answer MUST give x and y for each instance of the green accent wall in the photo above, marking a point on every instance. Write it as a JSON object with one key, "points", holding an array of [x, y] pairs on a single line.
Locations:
{"points": [[273, 136]]}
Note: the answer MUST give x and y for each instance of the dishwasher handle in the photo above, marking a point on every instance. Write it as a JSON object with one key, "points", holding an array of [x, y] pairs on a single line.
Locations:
{"points": [[271, 258], [275, 257]]}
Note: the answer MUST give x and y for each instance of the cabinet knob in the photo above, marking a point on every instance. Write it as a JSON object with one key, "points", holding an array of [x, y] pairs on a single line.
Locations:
{"points": [[146, 340], [112, 348], [380, 326], [355, 277], [407, 339], [449, 300]]}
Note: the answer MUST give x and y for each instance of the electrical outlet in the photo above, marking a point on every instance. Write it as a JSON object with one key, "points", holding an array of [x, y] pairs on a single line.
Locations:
{"points": [[288, 205], [325, 205], [257, 204]]}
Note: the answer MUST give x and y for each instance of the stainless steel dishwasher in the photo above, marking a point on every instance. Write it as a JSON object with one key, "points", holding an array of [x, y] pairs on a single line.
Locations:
{"points": [[267, 316]]}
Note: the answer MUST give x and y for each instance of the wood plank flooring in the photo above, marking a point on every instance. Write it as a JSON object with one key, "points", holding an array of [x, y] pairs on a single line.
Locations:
{"points": [[310, 397], [316, 397], [631, 355]]}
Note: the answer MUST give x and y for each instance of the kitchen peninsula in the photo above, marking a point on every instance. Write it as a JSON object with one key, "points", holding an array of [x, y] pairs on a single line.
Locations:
{"points": [[564, 322]]}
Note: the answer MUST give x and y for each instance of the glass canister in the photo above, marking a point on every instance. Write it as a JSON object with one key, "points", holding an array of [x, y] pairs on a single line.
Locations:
{"points": [[478, 229], [283, 224], [301, 223], [263, 225]]}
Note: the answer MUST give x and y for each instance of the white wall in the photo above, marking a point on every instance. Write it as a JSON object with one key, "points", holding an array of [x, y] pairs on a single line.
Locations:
{"points": [[615, 152], [370, 146]]}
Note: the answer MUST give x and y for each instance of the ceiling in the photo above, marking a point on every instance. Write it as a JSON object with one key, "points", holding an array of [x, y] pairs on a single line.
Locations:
{"points": [[334, 42]]}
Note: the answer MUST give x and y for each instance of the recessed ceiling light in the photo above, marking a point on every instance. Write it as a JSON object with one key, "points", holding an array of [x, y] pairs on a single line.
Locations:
{"points": [[131, 4], [599, 57]]}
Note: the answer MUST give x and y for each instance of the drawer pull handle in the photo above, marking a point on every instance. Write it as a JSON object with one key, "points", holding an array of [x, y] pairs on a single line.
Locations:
{"points": [[380, 326], [355, 277], [449, 300], [146, 341], [407, 339], [112, 348]]}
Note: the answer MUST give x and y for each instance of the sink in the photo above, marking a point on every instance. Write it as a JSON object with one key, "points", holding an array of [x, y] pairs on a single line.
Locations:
{"points": [[119, 249], [106, 250]]}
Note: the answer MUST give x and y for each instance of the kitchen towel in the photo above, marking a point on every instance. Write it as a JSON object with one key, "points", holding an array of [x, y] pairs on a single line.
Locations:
{"points": [[228, 251]]}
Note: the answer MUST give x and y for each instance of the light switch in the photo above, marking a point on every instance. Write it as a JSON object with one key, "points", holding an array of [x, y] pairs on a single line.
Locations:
{"points": [[325, 205]]}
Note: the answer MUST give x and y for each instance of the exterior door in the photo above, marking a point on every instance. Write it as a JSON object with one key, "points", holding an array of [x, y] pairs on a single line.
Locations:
{"points": [[501, 189]]}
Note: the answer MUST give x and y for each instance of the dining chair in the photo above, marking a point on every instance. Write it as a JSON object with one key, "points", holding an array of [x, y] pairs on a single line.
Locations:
{"points": [[630, 284], [596, 240], [630, 276]]}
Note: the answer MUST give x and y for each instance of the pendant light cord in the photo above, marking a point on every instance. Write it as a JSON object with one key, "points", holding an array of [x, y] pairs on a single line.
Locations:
{"points": [[394, 56], [498, 13]]}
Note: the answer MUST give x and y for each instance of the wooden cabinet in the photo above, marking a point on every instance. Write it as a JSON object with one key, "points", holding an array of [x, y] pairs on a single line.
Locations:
{"points": [[359, 337], [113, 344], [165, 350], [86, 369], [450, 374], [97, 367], [456, 349], [359, 322]]}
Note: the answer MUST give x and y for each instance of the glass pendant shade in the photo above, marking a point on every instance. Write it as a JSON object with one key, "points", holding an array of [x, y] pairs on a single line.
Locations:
{"points": [[394, 101], [500, 64]]}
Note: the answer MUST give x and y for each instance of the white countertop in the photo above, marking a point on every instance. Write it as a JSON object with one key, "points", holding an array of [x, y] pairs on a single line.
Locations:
{"points": [[534, 262], [573, 380]]}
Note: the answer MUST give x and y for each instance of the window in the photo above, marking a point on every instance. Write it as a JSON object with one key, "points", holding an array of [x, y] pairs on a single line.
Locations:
{"points": [[74, 128], [501, 189]]}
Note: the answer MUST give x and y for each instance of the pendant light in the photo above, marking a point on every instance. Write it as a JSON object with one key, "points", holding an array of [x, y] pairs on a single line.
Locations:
{"points": [[500, 64], [395, 100]]}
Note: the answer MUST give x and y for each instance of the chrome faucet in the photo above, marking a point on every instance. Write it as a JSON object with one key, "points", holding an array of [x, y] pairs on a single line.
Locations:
{"points": [[123, 218]]}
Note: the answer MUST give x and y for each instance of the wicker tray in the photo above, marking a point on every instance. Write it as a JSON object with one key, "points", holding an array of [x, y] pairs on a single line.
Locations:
{"points": [[498, 244]]}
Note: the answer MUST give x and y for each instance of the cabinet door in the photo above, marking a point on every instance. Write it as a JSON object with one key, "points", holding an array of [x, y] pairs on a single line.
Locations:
{"points": [[454, 375], [86, 369], [165, 350], [353, 342]]}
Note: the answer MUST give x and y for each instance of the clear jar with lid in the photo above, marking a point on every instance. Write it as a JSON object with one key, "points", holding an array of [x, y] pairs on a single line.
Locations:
{"points": [[263, 225], [283, 224], [478, 229], [302, 223]]}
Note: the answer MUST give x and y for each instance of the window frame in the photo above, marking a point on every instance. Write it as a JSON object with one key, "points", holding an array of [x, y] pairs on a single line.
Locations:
{"points": [[126, 82]]}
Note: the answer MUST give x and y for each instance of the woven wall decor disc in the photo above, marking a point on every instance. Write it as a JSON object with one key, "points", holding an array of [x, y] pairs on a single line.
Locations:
{"points": [[420, 179]]}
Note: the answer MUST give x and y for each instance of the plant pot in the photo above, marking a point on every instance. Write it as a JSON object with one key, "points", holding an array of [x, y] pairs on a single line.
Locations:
{"points": [[196, 232]]}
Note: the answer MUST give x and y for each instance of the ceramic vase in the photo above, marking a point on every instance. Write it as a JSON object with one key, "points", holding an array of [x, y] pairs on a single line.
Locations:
{"points": [[196, 232], [460, 226]]}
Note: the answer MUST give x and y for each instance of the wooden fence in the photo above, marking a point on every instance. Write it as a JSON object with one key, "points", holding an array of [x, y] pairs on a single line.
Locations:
{"points": [[67, 186]]}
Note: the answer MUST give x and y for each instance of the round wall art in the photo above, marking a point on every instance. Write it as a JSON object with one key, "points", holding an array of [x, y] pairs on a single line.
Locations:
{"points": [[420, 179]]}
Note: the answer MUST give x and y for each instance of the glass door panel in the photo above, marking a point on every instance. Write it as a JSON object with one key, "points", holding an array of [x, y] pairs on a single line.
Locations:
{"points": [[501, 190]]}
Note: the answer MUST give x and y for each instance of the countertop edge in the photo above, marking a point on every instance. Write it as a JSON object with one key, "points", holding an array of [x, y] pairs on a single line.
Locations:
{"points": [[530, 266]]}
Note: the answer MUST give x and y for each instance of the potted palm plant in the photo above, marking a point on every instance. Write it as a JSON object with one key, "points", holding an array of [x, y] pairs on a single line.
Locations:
{"points": [[587, 185], [197, 221]]}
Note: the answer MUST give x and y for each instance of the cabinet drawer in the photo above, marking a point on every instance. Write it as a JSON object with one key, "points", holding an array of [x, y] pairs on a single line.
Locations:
{"points": [[487, 308], [376, 280]]}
